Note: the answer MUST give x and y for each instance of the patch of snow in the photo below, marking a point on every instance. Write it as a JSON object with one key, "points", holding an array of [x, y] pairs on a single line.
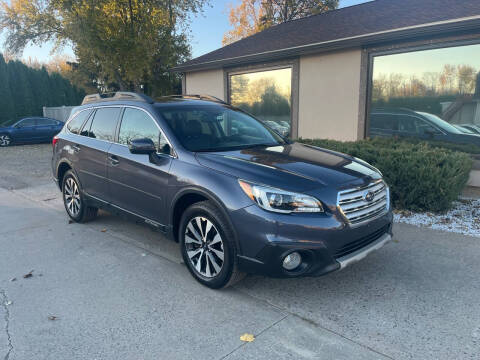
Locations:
{"points": [[463, 218]]}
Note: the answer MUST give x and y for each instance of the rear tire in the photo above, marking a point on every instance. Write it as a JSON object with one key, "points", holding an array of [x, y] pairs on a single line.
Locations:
{"points": [[208, 246], [74, 200], [5, 140]]}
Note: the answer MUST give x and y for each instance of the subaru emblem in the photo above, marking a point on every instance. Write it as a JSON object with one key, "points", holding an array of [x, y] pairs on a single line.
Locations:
{"points": [[369, 196]]}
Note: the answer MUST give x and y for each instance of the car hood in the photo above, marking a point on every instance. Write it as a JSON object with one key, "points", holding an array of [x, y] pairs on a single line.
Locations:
{"points": [[294, 167]]}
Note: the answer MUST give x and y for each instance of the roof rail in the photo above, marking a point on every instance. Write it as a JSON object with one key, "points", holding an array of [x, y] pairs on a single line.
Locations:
{"points": [[198, 97], [116, 96]]}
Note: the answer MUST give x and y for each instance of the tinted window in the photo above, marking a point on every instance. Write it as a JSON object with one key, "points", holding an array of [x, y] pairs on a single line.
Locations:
{"points": [[383, 122], [413, 125], [104, 123], [46, 122], [75, 124], [407, 124], [137, 124], [26, 122], [86, 128]]}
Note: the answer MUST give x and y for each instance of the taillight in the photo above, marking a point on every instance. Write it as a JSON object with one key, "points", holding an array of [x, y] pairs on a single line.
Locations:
{"points": [[54, 140]]}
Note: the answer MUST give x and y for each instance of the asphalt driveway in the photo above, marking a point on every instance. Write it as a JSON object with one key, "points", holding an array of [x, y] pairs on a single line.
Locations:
{"points": [[118, 290]]}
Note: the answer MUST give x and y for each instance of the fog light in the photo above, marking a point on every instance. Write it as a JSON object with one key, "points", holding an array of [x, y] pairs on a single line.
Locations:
{"points": [[292, 261]]}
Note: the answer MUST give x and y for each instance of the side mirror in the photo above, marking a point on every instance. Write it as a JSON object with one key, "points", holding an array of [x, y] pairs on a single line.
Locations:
{"points": [[142, 146]]}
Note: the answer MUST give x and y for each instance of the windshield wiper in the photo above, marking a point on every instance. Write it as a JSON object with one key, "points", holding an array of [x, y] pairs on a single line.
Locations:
{"points": [[238, 147], [260, 145]]}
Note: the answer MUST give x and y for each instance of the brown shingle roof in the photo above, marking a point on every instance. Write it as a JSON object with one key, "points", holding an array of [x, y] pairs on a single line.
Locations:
{"points": [[337, 28]]}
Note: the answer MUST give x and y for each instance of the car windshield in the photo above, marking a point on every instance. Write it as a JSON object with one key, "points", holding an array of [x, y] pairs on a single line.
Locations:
{"points": [[217, 128], [442, 124], [464, 129]]}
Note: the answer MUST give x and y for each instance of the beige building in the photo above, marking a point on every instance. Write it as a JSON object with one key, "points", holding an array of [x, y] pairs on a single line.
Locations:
{"points": [[324, 75]]}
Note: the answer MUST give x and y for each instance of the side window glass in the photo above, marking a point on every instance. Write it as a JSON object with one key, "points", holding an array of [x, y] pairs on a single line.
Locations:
{"points": [[383, 122], [407, 124], [26, 123], [86, 128], [75, 124], [425, 128], [164, 146], [46, 122], [104, 123], [136, 124]]}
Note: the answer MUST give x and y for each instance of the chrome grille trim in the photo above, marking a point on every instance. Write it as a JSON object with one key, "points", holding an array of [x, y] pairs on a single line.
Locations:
{"points": [[356, 209]]}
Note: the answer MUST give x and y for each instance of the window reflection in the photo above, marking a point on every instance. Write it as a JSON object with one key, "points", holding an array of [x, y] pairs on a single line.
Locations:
{"points": [[431, 94], [265, 94]]}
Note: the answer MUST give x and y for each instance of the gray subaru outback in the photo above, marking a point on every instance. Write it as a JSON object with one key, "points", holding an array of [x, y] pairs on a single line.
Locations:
{"points": [[236, 195]]}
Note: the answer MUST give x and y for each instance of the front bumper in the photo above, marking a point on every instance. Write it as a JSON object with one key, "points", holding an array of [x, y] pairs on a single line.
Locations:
{"points": [[363, 252], [326, 243]]}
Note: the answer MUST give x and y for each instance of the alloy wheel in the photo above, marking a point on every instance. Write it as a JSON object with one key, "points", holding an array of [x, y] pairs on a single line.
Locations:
{"points": [[71, 196], [4, 140], [204, 246]]}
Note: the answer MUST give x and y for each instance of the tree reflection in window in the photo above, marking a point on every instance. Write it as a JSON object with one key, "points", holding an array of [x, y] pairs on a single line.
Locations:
{"points": [[436, 81], [137, 124], [266, 95]]}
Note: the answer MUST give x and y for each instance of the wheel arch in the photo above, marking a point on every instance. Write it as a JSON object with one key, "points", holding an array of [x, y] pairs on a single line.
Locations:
{"points": [[63, 166], [192, 195]]}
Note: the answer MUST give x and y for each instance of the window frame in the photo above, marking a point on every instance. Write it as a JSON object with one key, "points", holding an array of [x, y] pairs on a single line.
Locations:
{"points": [[119, 124], [35, 122], [40, 119], [83, 123], [371, 53], [293, 64]]}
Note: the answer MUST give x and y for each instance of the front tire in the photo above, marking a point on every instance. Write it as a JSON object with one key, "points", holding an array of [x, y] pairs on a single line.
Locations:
{"points": [[5, 140], [73, 199], [208, 246]]}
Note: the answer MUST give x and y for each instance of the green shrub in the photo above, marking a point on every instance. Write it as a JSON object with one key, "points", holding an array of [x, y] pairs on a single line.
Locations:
{"points": [[421, 177], [466, 148]]}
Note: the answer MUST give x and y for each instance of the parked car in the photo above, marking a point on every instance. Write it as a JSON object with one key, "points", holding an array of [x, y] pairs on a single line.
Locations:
{"points": [[282, 130], [246, 201], [474, 128], [30, 130], [408, 123]]}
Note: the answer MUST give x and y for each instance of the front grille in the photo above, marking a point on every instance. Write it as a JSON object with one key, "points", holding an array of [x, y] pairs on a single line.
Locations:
{"points": [[356, 206], [360, 243]]}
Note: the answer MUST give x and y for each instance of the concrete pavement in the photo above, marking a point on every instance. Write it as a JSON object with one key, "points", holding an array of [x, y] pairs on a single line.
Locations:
{"points": [[120, 291]]}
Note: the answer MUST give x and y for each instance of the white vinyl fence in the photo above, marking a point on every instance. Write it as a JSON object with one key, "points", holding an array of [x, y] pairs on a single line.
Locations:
{"points": [[59, 113]]}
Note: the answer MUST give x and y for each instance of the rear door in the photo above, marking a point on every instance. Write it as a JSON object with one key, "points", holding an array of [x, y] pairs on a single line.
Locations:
{"points": [[91, 151], [46, 128], [137, 183]]}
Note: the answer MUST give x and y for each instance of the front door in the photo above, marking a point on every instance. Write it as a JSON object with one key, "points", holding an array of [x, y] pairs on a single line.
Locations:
{"points": [[138, 183], [25, 130]]}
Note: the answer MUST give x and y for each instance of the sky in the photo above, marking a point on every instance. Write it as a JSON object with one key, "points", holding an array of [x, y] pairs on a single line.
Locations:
{"points": [[419, 62], [206, 31]]}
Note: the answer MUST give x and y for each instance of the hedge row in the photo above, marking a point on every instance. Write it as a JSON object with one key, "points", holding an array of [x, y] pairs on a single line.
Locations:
{"points": [[421, 177]]}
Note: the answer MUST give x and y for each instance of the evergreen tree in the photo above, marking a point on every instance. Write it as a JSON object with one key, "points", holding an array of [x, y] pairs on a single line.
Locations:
{"points": [[7, 112], [24, 91]]}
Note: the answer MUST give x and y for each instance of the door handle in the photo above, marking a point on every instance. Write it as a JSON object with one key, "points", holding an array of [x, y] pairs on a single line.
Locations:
{"points": [[113, 160], [76, 148]]}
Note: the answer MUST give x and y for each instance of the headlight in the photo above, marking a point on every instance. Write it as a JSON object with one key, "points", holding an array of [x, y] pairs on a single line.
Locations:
{"points": [[280, 201]]}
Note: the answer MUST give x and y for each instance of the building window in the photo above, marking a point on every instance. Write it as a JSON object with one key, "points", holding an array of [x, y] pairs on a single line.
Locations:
{"points": [[430, 94], [266, 95]]}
